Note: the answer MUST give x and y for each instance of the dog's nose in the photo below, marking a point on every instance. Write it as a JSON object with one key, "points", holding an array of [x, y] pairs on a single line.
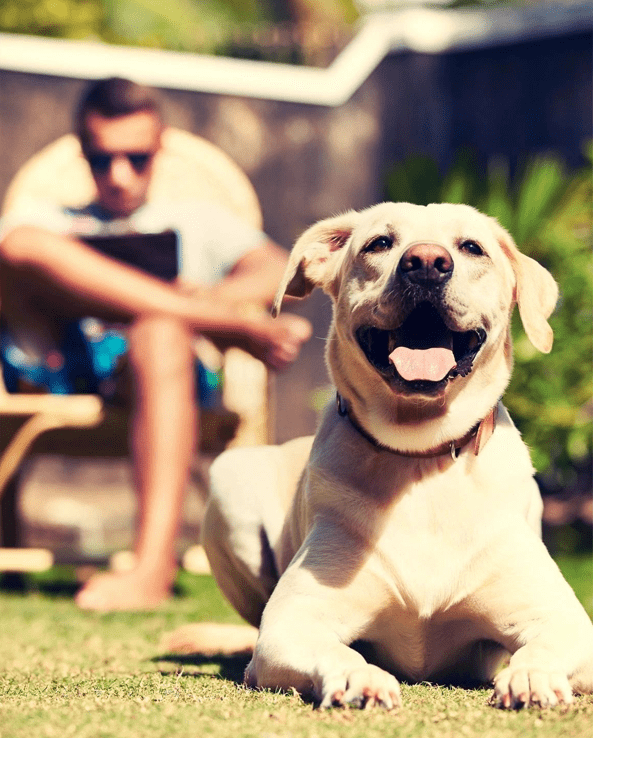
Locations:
{"points": [[426, 263]]}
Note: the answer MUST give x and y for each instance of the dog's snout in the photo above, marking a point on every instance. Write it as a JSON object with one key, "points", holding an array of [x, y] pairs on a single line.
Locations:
{"points": [[426, 263]]}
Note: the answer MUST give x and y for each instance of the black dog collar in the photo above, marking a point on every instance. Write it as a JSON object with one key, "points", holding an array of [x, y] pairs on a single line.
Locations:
{"points": [[481, 433]]}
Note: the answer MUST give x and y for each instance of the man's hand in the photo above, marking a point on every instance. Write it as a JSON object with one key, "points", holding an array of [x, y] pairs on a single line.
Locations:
{"points": [[276, 341]]}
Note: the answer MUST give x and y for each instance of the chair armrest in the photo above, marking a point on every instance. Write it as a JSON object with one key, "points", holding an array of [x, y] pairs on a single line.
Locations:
{"points": [[75, 410], [43, 412]]}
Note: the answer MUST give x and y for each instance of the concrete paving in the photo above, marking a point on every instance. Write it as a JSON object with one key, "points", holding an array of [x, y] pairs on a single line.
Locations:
{"points": [[84, 509]]}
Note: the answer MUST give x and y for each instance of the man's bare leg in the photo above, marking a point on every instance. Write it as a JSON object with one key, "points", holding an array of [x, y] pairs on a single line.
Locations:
{"points": [[52, 278], [164, 441]]}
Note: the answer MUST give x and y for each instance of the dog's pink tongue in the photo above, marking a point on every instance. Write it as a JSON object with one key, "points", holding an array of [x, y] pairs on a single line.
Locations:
{"points": [[432, 364]]}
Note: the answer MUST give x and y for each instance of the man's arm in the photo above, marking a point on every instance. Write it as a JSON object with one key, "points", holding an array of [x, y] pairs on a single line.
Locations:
{"points": [[84, 282], [256, 275]]}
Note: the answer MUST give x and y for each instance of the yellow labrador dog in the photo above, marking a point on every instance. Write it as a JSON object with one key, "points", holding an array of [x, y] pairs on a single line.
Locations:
{"points": [[404, 542]]}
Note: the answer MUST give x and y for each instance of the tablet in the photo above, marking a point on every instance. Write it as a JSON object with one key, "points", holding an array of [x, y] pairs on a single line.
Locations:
{"points": [[155, 253]]}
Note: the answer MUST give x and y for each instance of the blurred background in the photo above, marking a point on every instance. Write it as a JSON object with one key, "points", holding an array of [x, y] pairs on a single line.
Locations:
{"points": [[336, 104]]}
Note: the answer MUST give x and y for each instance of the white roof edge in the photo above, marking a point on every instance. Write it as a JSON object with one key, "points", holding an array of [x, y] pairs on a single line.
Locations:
{"points": [[418, 29]]}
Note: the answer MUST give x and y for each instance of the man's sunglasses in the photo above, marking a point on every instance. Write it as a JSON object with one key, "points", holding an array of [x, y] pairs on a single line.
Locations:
{"points": [[100, 163]]}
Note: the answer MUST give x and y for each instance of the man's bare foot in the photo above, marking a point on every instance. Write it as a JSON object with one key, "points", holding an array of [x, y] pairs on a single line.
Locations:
{"points": [[126, 591]]}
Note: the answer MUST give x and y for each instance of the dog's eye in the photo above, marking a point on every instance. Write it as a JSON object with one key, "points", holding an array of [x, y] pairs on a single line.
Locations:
{"points": [[379, 244], [471, 246]]}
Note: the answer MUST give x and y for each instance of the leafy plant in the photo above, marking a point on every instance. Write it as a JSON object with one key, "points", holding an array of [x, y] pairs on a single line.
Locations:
{"points": [[201, 26], [548, 210], [186, 25], [60, 19]]}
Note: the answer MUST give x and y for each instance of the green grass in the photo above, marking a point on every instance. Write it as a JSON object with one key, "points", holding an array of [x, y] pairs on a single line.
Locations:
{"points": [[65, 673]]}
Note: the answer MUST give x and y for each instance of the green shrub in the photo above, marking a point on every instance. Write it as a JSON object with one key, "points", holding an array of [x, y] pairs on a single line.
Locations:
{"points": [[548, 210]]}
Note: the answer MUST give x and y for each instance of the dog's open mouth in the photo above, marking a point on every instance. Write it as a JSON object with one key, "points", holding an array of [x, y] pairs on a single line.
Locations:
{"points": [[421, 354]]}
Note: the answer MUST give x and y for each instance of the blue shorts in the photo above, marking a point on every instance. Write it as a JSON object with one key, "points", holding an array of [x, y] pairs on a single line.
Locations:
{"points": [[88, 361]]}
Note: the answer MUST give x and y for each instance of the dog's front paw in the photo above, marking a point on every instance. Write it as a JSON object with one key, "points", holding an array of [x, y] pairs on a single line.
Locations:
{"points": [[521, 688], [363, 687]]}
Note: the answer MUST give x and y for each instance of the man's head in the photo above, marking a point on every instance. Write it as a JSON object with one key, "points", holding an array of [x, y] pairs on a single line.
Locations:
{"points": [[119, 124]]}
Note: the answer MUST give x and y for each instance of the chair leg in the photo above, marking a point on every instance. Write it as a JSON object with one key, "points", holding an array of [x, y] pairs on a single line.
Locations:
{"points": [[10, 532], [10, 529]]}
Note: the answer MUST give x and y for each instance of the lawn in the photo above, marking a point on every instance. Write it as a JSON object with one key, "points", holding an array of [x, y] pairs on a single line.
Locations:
{"points": [[72, 674]]}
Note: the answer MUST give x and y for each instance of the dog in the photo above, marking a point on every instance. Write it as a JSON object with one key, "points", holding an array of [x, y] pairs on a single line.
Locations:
{"points": [[404, 541]]}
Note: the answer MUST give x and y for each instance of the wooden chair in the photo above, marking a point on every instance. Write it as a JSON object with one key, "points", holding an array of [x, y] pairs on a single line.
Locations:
{"points": [[187, 167]]}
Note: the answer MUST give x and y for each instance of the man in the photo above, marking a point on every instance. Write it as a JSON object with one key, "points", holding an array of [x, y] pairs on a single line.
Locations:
{"points": [[51, 282]]}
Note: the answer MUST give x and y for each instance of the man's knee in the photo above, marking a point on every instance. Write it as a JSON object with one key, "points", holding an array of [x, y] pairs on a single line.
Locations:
{"points": [[162, 344]]}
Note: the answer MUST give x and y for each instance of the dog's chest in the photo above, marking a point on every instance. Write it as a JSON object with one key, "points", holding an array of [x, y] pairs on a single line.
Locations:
{"points": [[430, 537], [428, 558]]}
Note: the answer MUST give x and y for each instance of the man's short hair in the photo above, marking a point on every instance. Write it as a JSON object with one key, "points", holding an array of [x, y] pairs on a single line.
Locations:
{"points": [[114, 97]]}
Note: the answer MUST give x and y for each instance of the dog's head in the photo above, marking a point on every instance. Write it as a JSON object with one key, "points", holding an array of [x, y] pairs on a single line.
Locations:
{"points": [[422, 303]]}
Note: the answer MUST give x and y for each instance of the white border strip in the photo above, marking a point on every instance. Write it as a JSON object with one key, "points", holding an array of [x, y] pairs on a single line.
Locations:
{"points": [[420, 29]]}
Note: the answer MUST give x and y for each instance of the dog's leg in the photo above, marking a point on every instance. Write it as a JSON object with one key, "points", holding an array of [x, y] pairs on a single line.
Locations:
{"points": [[535, 510], [243, 523], [211, 638], [541, 622], [305, 634], [251, 489], [309, 657], [241, 562]]}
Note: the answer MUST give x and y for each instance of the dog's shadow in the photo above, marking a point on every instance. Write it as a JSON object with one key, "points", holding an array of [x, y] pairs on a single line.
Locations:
{"points": [[230, 667]]}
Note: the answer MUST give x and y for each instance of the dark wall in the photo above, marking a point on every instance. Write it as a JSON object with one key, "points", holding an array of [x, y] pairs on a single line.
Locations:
{"points": [[508, 100], [34, 111], [310, 162]]}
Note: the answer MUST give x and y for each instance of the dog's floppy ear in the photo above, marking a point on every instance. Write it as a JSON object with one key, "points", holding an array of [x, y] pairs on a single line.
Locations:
{"points": [[315, 257], [536, 293]]}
